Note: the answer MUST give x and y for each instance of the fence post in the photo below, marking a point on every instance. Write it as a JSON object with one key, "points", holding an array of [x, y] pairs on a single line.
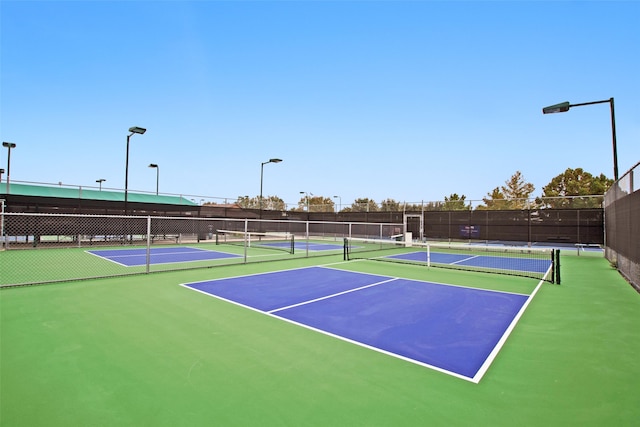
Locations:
{"points": [[148, 243], [2, 237]]}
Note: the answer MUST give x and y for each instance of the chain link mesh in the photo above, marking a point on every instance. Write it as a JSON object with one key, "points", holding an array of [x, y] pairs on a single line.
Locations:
{"points": [[622, 226], [43, 248]]}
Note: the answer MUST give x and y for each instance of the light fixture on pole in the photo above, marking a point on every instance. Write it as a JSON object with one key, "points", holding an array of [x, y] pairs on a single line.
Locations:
{"points": [[306, 198], [100, 181], [133, 130], [261, 175], [157, 168], [9, 146], [340, 205], [565, 106]]}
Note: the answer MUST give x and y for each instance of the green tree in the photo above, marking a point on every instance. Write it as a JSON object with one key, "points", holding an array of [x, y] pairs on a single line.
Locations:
{"points": [[455, 203], [315, 204], [273, 203], [518, 190], [562, 190], [268, 203], [364, 205], [246, 202], [412, 207], [513, 195], [494, 200], [390, 205], [434, 206]]}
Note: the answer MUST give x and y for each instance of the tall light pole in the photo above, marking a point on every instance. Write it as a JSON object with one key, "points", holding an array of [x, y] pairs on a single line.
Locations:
{"points": [[306, 198], [340, 205], [565, 106], [9, 146], [100, 181], [261, 175], [138, 130], [155, 165]]}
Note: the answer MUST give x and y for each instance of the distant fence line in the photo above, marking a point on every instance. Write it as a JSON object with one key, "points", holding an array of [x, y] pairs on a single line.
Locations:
{"points": [[244, 202], [622, 225], [46, 248]]}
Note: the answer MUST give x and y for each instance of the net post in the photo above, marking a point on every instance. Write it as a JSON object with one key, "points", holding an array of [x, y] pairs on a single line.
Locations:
{"points": [[293, 245], [344, 250], [246, 235], [556, 266]]}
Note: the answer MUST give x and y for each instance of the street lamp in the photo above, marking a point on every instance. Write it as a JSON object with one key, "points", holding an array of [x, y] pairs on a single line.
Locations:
{"points": [[564, 107], [9, 146], [134, 129], [261, 175], [340, 205], [154, 165], [306, 198], [100, 181]]}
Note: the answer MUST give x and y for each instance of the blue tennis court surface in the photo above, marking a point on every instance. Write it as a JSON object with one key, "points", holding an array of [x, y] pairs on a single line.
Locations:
{"points": [[482, 261], [137, 257], [452, 329]]}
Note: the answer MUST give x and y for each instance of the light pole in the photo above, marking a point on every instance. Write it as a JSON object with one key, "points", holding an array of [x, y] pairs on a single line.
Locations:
{"points": [[306, 198], [261, 175], [134, 129], [100, 181], [155, 165], [340, 205], [564, 107], [9, 146]]}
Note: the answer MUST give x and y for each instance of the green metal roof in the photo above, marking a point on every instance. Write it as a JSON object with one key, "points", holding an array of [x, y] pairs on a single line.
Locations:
{"points": [[81, 193]]}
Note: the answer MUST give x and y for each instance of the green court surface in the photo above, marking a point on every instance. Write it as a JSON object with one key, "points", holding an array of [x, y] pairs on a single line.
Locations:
{"points": [[143, 351]]}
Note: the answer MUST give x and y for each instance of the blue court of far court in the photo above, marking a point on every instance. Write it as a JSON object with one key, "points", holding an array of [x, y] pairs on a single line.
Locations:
{"points": [[482, 261], [452, 329], [165, 255]]}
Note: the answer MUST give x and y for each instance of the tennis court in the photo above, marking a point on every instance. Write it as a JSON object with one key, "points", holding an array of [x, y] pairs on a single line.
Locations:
{"points": [[452, 329], [165, 255]]}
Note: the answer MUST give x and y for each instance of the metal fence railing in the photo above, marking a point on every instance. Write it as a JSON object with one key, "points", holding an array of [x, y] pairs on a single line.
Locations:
{"points": [[622, 225], [44, 248]]}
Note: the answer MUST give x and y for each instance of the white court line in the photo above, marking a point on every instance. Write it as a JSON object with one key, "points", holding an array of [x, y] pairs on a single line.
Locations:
{"points": [[331, 296], [464, 260]]}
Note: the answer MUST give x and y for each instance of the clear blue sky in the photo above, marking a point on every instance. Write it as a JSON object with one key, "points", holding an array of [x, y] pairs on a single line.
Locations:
{"points": [[410, 100]]}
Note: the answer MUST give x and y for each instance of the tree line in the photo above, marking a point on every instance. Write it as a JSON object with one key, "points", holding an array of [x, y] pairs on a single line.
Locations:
{"points": [[563, 191]]}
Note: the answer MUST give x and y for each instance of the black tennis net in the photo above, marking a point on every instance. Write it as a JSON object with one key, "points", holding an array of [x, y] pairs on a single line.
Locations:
{"points": [[251, 239], [537, 263]]}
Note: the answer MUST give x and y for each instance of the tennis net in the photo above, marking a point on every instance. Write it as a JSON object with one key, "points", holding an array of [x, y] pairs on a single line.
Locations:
{"points": [[253, 239], [538, 263]]}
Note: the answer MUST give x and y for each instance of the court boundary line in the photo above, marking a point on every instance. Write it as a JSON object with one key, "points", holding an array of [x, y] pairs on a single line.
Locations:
{"points": [[272, 313], [194, 250], [327, 333], [503, 339]]}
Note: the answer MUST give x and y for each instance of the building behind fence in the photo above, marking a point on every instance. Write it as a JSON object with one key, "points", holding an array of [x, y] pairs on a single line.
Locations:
{"points": [[622, 226]]}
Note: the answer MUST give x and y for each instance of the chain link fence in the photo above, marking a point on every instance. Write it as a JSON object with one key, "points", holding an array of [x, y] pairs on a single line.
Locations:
{"points": [[622, 226], [43, 248], [544, 226]]}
